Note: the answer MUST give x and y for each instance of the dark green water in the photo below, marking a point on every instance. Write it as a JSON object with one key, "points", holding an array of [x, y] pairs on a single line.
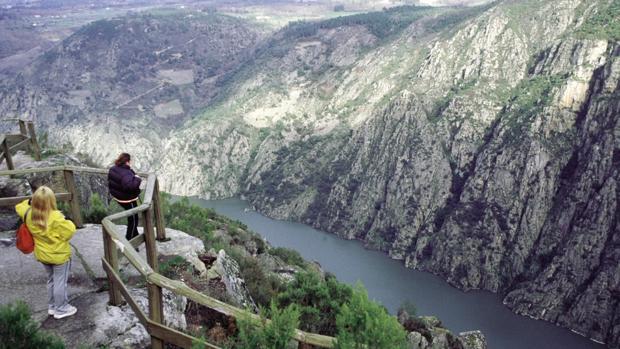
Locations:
{"points": [[390, 283]]}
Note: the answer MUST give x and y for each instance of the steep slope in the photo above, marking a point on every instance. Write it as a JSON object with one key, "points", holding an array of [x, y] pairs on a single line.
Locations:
{"points": [[308, 79], [507, 182], [140, 75]]}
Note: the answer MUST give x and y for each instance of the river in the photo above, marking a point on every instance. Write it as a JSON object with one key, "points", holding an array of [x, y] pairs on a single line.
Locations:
{"points": [[390, 283]]}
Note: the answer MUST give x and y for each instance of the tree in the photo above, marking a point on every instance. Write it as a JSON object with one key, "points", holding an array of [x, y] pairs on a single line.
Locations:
{"points": [[275, 334], [318, 301], [363, 323]]}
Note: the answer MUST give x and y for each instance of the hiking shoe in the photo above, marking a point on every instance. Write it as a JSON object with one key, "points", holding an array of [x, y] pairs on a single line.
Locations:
{"points": [[71, 310]]}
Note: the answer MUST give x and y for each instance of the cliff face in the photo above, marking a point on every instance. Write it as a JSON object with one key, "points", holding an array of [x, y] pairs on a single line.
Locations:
{"points": [[507, 182]]}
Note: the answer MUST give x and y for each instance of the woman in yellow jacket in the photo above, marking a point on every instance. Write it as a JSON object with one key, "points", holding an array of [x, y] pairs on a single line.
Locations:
{"points": [[51, 233]]}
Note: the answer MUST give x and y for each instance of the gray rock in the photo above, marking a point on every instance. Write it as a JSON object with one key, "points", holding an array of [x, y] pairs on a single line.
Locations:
{"points": [[87, 184], [11, 187], [184, 245], [98, 324], [227, 270], [473, 340], [417, 341]]}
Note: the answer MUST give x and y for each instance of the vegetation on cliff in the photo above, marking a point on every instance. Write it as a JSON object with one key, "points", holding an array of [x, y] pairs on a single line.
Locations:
{"points": [[310, 301], [603, 24]]}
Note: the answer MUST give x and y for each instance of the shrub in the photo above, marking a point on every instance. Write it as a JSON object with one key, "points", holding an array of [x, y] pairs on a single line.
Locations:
{"points": [[170, 266], [275, 334], [318, 301], [96, 210], [19, 331], [363, 323], [602, 25], [288, 256], [262, 287], [192, 219]]}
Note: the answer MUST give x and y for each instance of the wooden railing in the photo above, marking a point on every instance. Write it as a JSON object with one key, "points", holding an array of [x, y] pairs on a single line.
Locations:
{"points": [[154, 228], [12, 142], [70, 195]]}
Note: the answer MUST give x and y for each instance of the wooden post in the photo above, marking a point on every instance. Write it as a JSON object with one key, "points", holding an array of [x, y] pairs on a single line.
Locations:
{"points": [[149, 239], [156, 312], [156, 306], [7, 155], [109, 252], [74, 202], [159, 216], [33, 142], [22, 128]]}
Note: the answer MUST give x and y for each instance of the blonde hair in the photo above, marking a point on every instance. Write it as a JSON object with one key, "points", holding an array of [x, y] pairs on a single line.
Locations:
{"points": [[43, 203]]}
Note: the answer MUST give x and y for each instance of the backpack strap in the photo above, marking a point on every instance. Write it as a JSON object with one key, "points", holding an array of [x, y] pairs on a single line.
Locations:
{"points": [[26, 214]]}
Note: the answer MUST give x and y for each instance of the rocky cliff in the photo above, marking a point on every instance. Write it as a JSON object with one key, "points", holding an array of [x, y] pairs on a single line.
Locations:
{"points": [[481, 144], [497, 168]]}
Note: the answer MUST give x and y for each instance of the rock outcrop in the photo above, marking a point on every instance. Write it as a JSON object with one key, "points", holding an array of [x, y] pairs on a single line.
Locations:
{"points": [[98, 324], [226, 270], [427, 332], [473, 340], [506, 183]]}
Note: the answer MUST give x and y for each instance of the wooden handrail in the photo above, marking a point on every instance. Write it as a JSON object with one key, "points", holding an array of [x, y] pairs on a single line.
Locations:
{"points": [[17, 199], [115, 243], [26, 135], [33, 170], [19, 144], [179, 287]]}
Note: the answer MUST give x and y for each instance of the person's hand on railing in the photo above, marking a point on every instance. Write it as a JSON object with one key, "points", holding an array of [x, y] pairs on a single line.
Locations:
{"points": [[142, 183]]}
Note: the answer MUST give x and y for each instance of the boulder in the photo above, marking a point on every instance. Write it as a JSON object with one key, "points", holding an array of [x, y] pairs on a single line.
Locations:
{"points": [[11, 187], [226, 269], [417, 341], [184, 245], [426, 332], [473, 340]]}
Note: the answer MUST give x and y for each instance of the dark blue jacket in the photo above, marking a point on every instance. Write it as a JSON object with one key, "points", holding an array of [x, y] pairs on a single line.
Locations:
{"points": [[123, 183]]}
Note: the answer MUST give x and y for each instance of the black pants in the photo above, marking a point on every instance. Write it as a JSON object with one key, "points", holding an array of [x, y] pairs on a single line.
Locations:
{"points": [[132, 221]]}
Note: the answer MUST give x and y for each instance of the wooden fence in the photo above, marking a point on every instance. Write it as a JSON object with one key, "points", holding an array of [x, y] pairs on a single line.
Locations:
{"points": [[12, 142], [154, 229]]}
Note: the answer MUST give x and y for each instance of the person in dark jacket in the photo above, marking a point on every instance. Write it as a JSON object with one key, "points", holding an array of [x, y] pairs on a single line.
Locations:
{"points": [[124, 187]]}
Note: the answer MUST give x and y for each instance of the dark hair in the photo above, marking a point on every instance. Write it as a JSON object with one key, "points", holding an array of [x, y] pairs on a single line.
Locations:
{"points": [[122, 159]]}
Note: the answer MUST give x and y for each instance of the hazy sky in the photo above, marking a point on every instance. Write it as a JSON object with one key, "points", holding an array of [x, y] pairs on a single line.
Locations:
{"points": [[425, 2]]}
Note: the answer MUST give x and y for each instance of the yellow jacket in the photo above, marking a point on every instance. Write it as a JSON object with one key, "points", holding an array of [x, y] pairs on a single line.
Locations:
{"points": [[51, 246]]}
